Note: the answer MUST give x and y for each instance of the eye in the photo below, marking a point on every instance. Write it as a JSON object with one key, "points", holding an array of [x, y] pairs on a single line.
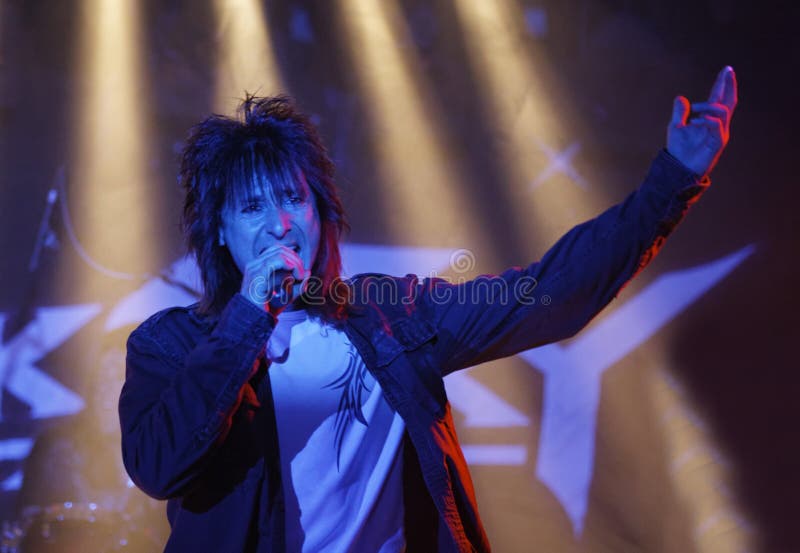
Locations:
{"points": [[252, 206], [294, 199]]}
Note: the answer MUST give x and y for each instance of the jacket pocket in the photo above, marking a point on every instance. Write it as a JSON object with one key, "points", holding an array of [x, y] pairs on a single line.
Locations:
{"points": [[416, 367], [411, 333], [404, 335]]}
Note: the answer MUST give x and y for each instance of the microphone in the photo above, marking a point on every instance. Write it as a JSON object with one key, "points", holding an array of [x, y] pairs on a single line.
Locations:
{"points": [[44, 235], [283, 293]]}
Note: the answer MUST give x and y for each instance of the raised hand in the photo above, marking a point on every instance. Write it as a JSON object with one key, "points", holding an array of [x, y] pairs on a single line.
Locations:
{"points": [[274, 278], [698, 133]]}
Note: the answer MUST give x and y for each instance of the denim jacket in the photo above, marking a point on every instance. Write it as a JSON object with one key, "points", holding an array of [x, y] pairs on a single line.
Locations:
{"points": [[198, 424]]}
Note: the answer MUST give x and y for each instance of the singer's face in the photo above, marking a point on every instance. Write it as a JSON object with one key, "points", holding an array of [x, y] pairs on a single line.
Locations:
{"points": [[268, 216]]}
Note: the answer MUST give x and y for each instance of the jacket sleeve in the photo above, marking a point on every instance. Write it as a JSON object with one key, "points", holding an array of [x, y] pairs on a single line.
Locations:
{"points": [[495, 316], [180, 394]]}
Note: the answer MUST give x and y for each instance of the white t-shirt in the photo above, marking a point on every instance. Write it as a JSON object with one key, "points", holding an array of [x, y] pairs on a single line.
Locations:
{"points": [[342, 478]]}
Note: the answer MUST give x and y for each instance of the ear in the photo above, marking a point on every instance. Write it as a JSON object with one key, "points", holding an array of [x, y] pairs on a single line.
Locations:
{"points": [[221, 238]]}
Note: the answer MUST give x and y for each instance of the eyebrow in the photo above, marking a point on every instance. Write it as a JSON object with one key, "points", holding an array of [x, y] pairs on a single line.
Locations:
{"points": [[265, 188]]}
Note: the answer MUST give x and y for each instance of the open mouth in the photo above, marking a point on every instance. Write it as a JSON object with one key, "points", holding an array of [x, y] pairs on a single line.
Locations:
{"points": [[294, 247]]}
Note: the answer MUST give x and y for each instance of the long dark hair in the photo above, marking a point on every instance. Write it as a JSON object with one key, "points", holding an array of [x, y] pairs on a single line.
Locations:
{"points": [[272, 141]]}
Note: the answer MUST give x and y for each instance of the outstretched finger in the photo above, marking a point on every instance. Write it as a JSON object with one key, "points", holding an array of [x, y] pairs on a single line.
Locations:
{"points": [[724, 89], [730, 95], [715, 97], [680, 111]]}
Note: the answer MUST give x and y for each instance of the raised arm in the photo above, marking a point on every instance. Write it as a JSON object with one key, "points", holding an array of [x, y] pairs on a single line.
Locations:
{"points": [[497, 316]]}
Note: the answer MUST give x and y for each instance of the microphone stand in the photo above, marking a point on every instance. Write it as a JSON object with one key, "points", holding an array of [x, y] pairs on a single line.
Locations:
{"points": [[45, 237]]}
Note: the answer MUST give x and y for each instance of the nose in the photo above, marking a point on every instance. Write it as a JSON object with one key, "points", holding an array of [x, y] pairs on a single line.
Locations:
{"points": [[280, 224]]}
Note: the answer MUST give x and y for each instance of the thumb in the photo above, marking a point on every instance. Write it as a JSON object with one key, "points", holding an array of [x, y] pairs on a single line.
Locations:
{"points": [[680, 111]]}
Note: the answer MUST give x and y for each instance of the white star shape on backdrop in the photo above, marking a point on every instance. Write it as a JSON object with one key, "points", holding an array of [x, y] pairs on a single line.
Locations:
{"points": [[572, 373]]}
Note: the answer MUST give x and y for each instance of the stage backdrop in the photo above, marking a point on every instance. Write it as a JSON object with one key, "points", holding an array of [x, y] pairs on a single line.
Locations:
{"points": [[468, 136]]}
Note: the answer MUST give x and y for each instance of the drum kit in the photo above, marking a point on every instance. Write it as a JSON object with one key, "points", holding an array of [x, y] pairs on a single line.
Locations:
{"points": [[76, 528]]}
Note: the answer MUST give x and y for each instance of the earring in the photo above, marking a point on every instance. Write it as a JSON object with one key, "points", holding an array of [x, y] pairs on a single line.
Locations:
{"points": [[221, 240]]}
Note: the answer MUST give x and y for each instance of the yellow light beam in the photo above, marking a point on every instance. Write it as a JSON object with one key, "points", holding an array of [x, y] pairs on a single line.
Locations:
{"points": [[420, 181], [246, 61], [529, 109], [703, 479], [109, 174]]}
